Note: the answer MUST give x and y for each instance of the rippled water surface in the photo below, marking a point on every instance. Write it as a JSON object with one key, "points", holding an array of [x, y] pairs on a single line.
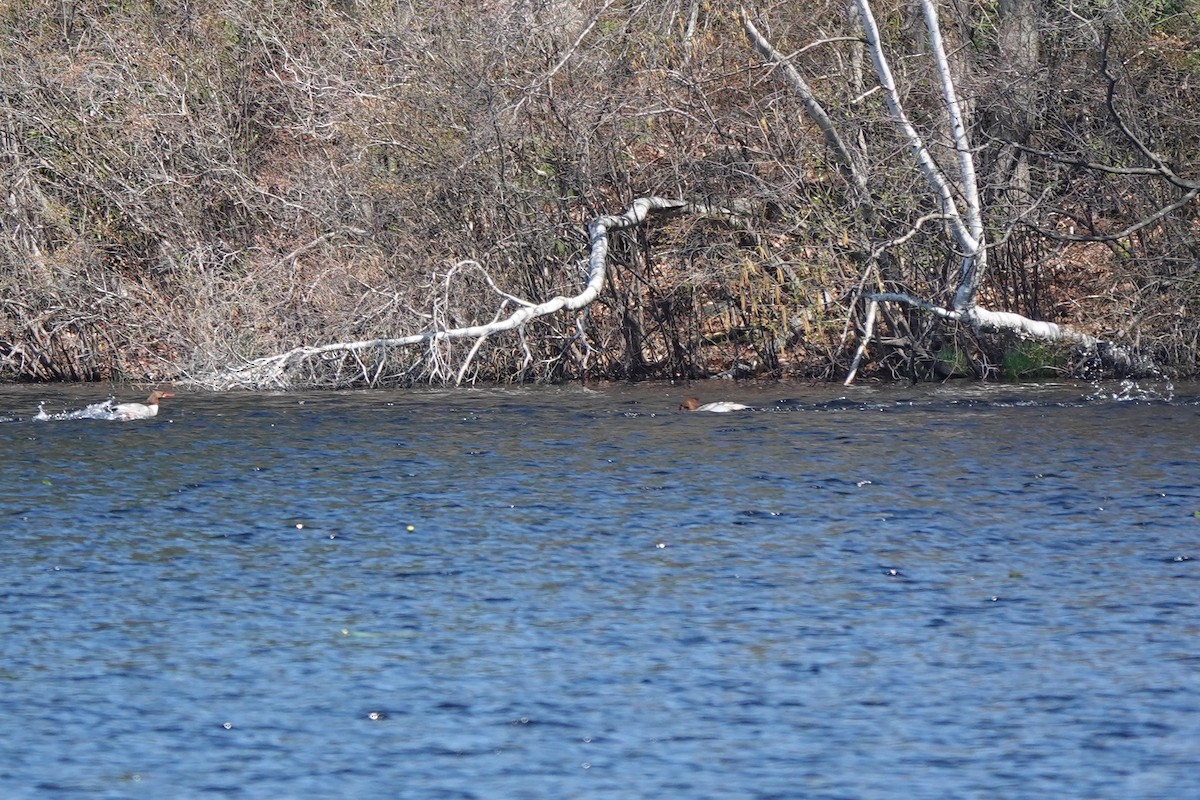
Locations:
{"points": [[952, 592]]}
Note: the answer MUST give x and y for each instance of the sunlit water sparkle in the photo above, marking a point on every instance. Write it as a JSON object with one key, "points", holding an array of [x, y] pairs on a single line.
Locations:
{"points": [[967, 592]]}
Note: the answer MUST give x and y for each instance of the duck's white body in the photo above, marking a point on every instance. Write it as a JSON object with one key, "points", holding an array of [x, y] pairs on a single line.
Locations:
{"points": [[127, 411], [719, 407]]}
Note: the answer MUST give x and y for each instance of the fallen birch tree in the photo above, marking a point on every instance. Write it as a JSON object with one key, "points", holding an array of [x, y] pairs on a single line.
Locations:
{"points": [[275, 371]]}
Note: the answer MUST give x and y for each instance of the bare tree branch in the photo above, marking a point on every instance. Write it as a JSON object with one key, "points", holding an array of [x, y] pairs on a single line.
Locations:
{"points": [[549, 76], [812, 107], [1159, 167], [1145, 222]]}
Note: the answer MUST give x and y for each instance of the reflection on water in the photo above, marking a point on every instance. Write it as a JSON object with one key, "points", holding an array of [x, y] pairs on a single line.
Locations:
{"points": [[936, 592]]}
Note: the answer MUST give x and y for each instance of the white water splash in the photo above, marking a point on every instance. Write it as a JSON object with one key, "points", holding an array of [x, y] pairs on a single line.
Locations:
{"points": [[102, 410], [1131, 391]]}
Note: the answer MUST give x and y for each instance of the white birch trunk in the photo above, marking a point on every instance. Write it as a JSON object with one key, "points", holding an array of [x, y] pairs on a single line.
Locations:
{"points": [[966, 226], [964, 220]]}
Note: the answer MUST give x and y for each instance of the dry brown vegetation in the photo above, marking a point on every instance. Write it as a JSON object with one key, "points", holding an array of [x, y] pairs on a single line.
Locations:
{"points": [[191, 185]]}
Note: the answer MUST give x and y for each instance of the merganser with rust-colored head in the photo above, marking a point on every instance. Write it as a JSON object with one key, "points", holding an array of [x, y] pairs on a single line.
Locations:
{"points": [[145, 410], [720, 407]]}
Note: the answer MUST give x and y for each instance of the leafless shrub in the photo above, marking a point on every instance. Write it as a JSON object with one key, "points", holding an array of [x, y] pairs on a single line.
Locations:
{"points": [[191, 187]]}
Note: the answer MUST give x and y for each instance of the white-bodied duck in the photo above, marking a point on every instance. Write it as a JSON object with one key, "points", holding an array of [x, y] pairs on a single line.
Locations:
{"points": [[720, 407], [144, 410]]}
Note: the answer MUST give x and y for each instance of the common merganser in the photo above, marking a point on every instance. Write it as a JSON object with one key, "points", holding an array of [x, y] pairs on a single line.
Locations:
{"points": [[722, 406], [145, 410]]}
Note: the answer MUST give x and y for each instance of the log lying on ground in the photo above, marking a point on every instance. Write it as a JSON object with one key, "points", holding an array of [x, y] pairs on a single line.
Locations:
{"points": [[1112, 357]]}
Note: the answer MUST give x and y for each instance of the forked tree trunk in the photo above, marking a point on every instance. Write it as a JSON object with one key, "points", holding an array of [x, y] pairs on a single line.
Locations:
{"points": [[966, 221]]}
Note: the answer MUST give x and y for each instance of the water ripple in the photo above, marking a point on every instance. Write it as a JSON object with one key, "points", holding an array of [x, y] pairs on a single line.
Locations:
{"points": [[581, 594]]}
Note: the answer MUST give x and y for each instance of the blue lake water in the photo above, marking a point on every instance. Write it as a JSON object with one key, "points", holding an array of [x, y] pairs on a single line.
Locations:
{"points": [[932, 592]]}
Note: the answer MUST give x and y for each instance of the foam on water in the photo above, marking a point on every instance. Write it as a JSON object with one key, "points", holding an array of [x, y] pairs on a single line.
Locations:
{"points": [[1131, 391]]}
